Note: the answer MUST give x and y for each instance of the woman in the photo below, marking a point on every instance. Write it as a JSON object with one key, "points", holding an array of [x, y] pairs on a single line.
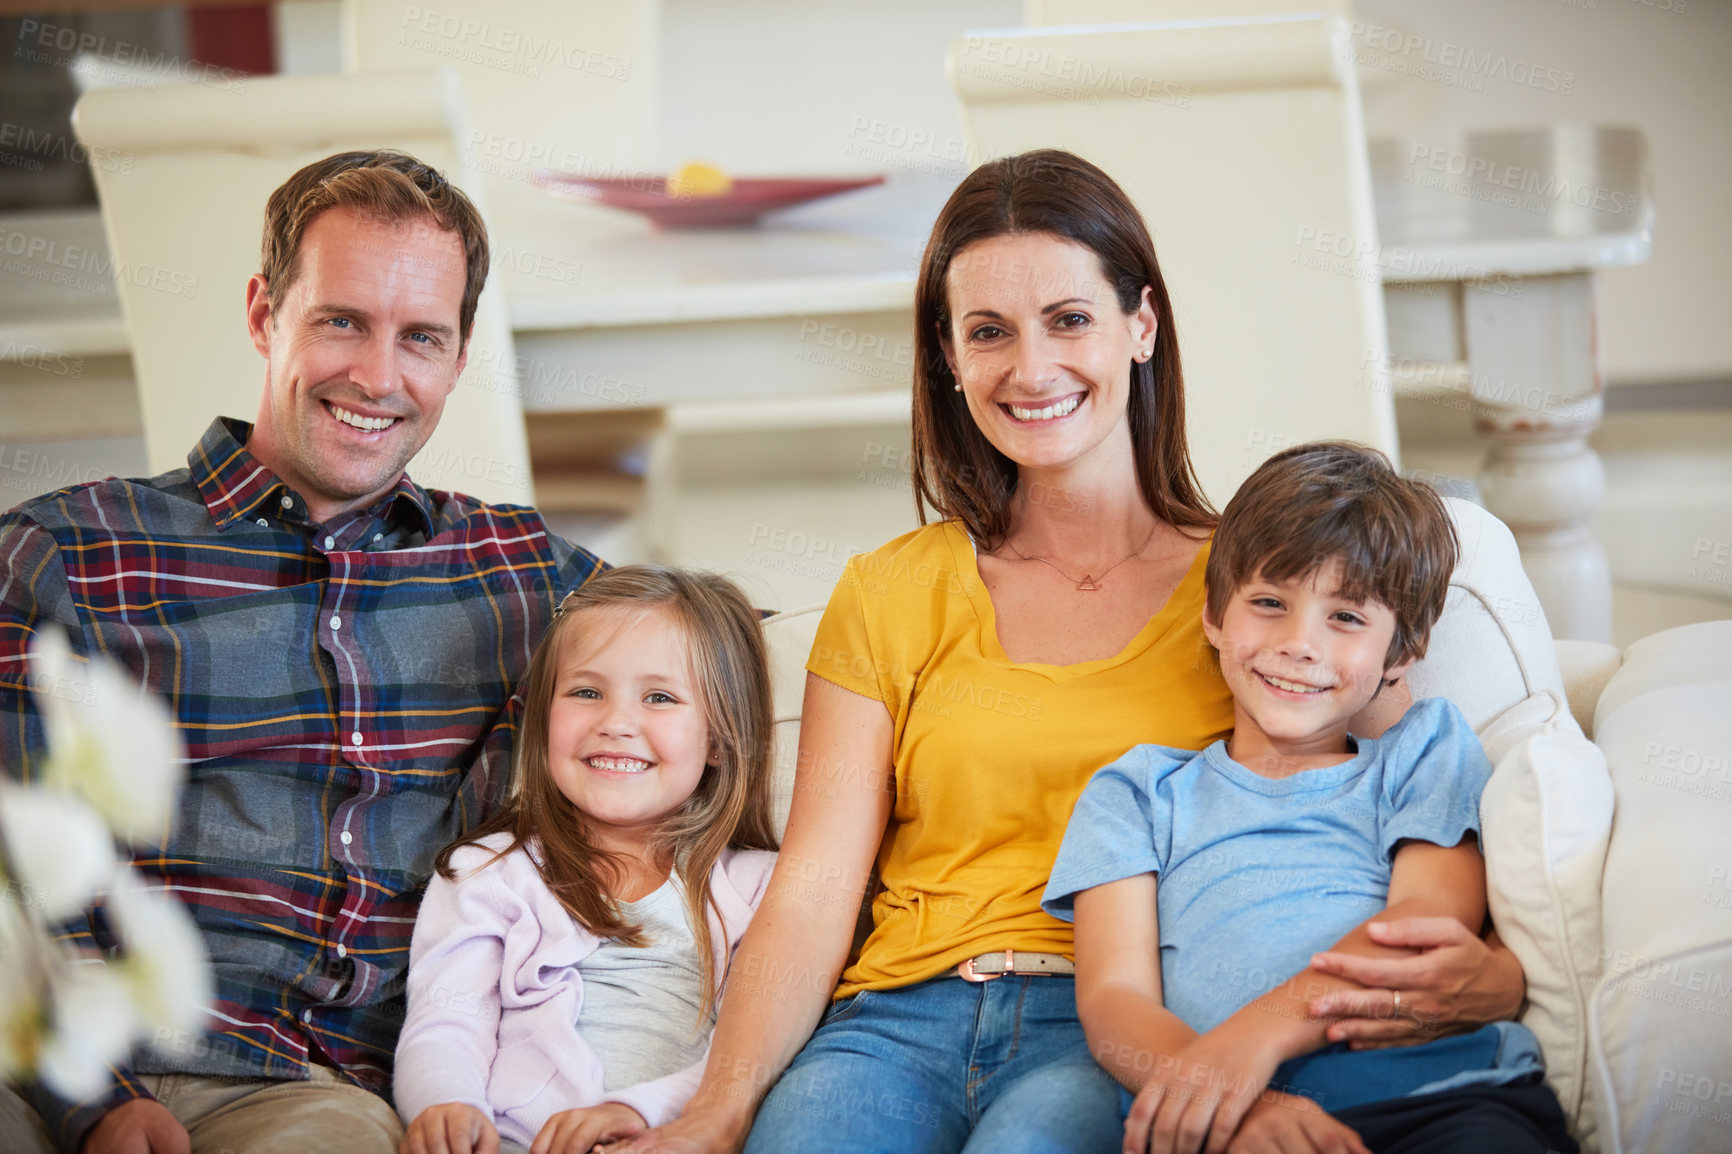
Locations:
{"points": [[966, 681]]}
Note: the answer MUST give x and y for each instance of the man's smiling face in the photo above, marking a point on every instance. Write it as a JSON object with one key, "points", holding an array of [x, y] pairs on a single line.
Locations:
{"points": [[362, 351]]}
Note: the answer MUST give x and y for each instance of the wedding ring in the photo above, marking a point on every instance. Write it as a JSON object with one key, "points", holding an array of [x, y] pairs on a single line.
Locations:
{"points": [[1397, 994]]}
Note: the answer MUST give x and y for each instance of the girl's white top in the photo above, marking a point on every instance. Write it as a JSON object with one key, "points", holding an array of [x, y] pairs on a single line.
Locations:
{"points": [[496, 995], [641, 1003]]}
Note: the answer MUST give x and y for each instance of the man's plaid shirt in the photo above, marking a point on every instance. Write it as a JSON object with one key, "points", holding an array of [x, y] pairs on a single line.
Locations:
{"points": [[343, 693]]}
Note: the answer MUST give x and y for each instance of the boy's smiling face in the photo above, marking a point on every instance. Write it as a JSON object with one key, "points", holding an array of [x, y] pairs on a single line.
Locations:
{"points": [[1301, 660]]}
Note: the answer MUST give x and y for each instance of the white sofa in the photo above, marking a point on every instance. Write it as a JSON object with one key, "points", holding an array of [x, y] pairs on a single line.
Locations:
{"points": [[1624, 927]]}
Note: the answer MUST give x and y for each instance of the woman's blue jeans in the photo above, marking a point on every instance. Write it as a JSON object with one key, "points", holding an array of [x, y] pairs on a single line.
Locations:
{"points": [[945, 1066]]}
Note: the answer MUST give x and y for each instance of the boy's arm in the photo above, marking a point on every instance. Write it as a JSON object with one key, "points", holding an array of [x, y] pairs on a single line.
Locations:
{"points": [[1206, 1091], [1452, 979], [1118, 981], [1425, 881]]}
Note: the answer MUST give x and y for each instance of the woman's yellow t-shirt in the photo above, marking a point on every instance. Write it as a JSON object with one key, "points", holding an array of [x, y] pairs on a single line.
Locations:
{"points": [[990, 755]]}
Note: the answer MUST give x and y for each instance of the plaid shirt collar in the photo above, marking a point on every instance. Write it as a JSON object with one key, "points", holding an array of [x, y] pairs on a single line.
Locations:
{"points": [[234, 483]]}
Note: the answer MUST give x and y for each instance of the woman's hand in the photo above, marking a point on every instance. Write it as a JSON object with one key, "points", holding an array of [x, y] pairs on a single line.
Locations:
{"points": [[694, 1132], [1457, 983], [1201, 1096], [1288, 1124], [451, 1128], [579, 1131]]}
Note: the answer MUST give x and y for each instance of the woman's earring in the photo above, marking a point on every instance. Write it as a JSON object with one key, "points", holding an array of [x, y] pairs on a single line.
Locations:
{"points": [[957, 386]]}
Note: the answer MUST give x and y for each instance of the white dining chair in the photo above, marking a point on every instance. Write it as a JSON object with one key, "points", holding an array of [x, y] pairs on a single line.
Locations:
{"points": [[183, 218], [1241, 142]]}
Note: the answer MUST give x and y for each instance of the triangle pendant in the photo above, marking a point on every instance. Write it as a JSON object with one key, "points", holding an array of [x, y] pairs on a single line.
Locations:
{"points": [[1088, 585]]}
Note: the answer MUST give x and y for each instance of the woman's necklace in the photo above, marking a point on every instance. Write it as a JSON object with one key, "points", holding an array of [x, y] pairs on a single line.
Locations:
{"points": [[1088, 584]]}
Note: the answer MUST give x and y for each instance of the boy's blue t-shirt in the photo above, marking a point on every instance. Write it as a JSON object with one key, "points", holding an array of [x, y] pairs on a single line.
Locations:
{"points": [[1257, 874]]}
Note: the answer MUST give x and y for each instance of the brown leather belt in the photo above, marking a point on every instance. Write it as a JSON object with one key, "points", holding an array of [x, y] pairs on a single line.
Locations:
{"points": [[1001, 962]]}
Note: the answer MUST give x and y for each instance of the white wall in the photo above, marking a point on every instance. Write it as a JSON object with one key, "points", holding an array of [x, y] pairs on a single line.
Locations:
{"points": [[1664, 66], [801, 86]]}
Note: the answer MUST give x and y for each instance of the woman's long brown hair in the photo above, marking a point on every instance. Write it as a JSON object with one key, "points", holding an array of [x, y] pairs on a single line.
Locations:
{"points": [[957, 471], [730, 807]]}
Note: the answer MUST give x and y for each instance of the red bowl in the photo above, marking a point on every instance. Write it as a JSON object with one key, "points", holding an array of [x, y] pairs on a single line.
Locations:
{"points": [[748, 199]]}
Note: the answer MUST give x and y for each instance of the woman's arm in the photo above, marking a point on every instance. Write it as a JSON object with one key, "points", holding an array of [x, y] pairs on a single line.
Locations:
{"points": [[786, 966]]}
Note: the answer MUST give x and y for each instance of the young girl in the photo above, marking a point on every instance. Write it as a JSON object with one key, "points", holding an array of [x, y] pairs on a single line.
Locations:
{"points": [[569, 953]]}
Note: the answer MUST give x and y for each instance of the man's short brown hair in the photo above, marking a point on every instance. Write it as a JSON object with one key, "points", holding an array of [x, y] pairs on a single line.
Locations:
{"points": [[1332, 500], [386, 185]]}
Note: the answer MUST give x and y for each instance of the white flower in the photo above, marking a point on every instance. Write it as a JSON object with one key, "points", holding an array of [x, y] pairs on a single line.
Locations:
{"points": [[165, 964], [94, 1021], [20, 1015], [58, 847], [108, 741]]}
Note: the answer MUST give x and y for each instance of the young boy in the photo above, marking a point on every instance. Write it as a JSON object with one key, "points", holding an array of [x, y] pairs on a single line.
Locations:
{"points": [[1326, 575]]}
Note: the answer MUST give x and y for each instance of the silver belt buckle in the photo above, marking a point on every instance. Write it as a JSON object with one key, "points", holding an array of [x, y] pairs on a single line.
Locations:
{"points": [[966, 969]]}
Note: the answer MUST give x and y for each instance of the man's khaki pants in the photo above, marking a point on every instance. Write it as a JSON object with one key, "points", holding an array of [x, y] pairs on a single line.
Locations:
{"points": [[244, 1116]]}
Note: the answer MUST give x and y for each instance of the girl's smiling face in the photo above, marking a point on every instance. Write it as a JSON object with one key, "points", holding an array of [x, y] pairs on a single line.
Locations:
{"points": [[627, 739], [1041, 347]]}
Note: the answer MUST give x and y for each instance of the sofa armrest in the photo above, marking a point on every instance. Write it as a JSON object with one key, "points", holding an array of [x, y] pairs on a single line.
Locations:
{"points": [[1587, 666], [1658, 1033]]}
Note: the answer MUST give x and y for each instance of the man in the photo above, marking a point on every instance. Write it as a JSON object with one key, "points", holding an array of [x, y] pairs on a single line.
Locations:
{"points": [[340, 646]]}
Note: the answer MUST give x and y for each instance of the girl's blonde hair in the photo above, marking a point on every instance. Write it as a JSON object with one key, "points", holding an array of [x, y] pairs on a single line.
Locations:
{"points": [[730, 807]]}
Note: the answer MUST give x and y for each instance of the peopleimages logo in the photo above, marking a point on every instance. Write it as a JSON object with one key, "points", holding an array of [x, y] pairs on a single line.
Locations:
{"points": [[1063, 76], [39, 42], [1452, 63], [85, 269], [1484, 178], [44, 145], [24, 469], [516, 50]]}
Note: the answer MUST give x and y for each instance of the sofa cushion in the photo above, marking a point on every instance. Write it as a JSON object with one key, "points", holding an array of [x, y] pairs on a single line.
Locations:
{"points": [[1587, 666], [789, 637], [1698, 654], [1491, 648], [1660, 1037], [1546, 816], [1661, 1061]]}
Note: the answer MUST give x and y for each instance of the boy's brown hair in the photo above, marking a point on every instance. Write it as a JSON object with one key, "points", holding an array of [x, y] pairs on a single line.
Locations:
{"points": [[386, 185], [1334, 500]]}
